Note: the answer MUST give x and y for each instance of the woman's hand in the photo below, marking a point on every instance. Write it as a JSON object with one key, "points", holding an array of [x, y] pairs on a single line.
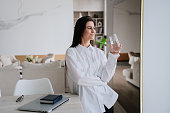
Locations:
{"points": [[115, 49]]}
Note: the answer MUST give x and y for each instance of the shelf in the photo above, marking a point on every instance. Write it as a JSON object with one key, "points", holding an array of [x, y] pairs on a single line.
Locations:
{"points": [[97, 33], [97, 18], [99, 27]]}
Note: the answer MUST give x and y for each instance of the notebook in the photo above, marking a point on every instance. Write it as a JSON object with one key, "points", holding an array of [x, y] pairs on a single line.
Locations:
{"points": [[51, 99], [37, 107]]}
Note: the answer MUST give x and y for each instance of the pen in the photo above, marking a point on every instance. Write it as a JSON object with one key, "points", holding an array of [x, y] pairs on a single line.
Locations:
{"points": [[20, 98]]}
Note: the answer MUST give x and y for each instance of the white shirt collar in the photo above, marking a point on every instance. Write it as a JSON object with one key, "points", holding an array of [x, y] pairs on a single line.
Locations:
{"points": [[82, 48]]}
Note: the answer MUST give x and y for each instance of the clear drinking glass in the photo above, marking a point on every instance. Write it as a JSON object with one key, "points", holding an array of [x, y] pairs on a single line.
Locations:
{"points": [[114, 43]]}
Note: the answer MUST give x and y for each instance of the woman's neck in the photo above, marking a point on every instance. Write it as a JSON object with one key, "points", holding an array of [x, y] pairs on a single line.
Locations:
{"points": [[85, 43]]}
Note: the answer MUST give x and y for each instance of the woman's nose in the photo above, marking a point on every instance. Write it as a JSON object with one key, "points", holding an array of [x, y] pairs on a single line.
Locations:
{"points": [[93, 30]]}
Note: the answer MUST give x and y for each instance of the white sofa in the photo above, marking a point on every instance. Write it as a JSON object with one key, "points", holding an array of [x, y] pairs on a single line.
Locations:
{"points": [[132, 74], [54, 71], [9, 74]]}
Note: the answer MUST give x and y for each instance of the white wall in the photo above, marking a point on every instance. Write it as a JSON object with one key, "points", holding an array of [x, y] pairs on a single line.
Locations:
{"points": [[123, 18], [156, 54], [35, 26], [126, 24]]}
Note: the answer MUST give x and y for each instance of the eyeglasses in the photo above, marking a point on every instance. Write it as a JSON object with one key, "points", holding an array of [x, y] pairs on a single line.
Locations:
{"points": [[20, 98]]}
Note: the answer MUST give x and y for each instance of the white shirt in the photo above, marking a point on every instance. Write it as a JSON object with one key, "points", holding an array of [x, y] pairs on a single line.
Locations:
{"points": [[88, 72]]}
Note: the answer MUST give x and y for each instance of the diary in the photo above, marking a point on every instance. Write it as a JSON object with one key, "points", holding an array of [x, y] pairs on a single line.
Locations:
{"points": [[50, 99]]}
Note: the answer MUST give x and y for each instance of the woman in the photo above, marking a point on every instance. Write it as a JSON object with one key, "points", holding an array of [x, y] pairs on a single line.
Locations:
{"points": [[89, 70]]}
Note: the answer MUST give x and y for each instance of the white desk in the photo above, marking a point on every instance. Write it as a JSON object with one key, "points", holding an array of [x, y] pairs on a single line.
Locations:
{"points": [[8, 104]]}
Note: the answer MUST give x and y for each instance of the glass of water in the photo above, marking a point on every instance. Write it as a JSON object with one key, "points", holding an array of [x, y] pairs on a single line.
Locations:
{"points": [[115, 45]]}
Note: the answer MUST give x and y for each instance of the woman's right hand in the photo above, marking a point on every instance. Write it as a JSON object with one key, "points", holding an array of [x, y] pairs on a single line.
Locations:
{"points": [[115, 48]]}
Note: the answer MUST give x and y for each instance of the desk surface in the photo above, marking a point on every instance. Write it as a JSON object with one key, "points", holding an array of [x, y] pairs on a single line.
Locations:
{"points": [[8, 104]]}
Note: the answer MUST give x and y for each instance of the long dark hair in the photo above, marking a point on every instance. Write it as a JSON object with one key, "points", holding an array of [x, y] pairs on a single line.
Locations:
{"points": [[79, 29]]}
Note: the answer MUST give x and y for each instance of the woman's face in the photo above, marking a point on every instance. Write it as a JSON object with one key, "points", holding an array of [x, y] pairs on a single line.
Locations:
{"points": [[89, 32]]}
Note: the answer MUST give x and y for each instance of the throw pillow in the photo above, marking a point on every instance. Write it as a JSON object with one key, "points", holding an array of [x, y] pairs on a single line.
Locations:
{"points": [[47, 59], [6, 60], [0, 64]]}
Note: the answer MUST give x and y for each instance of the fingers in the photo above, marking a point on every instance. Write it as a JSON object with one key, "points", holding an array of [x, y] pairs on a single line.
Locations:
{"points": [[120, 45], [115, 48], [115, 52]]}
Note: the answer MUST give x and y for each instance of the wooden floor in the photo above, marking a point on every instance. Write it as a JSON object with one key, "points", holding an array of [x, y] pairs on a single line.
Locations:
{"points": [[118, 108], [129, 97]]}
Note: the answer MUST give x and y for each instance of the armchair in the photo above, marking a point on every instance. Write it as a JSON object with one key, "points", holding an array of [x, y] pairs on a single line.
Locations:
{"points": [[132, 74]]}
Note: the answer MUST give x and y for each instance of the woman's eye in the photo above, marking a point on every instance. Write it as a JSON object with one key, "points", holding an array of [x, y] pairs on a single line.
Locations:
{"points": [[90, 28]]}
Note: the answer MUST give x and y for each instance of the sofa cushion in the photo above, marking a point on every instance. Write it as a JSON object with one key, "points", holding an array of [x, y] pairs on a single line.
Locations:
{"points": [[52, 71], [55, 64]]}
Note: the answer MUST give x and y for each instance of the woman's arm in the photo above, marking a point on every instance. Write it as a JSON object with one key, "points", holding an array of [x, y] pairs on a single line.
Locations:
{"points": [[76, 73], [108, 66]]}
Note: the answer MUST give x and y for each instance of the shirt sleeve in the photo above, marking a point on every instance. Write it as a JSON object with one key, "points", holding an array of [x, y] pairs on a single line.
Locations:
{"points": [[108, 66], [74, 70]]}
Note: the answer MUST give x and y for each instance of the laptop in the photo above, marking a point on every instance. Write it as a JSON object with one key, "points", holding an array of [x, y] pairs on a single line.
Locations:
{"points": [[37, 107]]}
